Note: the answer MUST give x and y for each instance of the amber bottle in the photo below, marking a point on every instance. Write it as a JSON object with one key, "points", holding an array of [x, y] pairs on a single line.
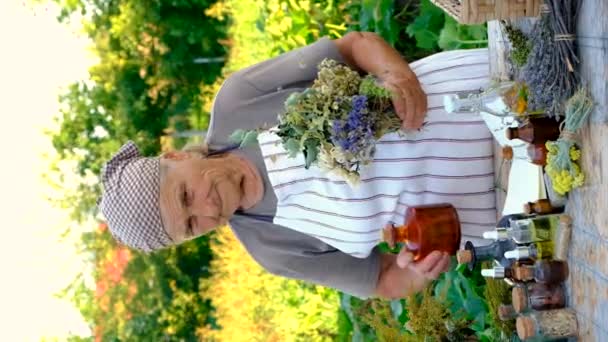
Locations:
{"points": [[535, 130], [541, 207], [537, 296], [427, 228]]}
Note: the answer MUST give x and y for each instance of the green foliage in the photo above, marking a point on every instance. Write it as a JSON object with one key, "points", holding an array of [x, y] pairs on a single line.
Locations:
{"points": [[434, 30], [520, 46]]}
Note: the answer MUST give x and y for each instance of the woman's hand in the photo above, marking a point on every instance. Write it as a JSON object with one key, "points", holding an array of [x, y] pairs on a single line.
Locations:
{"points": [[401, 277], [409, 99]]}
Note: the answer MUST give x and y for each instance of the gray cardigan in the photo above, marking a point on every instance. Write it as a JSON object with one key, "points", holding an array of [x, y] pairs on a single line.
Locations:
{"points": [[248, 99]]}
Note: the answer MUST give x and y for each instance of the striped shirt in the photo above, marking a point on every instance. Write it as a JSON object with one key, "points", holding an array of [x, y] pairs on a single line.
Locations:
{"points": [[449, 160]]}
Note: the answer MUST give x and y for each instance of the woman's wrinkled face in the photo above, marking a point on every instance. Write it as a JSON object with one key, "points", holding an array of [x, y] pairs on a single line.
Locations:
{"points": [[199, 194]]}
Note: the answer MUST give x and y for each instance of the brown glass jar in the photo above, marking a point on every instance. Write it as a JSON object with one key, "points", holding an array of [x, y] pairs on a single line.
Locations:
{"points": [[427, 228], [536, 296], [535, 130]]}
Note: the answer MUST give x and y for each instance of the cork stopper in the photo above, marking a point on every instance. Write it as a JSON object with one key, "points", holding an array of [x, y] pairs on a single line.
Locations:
{"points": [[523, 273], [388, 235], [565, 220], [526, 328], [464, 256], [507, 152], [519, 298], [528, 208], [511, 133], [506, 312]]}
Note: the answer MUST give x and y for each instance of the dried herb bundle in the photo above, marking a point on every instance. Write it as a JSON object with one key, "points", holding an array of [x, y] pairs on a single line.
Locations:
{"points": [[551, 71]]}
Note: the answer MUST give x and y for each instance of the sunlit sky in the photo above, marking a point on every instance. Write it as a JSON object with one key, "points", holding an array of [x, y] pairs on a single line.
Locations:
{"points": [[37, 56]]}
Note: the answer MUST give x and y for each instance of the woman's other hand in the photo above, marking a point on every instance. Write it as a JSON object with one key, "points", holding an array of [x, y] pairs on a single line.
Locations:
{"points": [[368, 52], [401, 277]]}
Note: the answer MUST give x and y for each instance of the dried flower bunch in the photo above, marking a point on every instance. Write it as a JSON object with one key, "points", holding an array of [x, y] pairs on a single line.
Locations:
{"points": [[335, 123]]}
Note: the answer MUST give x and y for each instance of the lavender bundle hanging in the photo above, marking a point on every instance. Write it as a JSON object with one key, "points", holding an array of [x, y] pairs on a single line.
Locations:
{"points": [[552, 68]]}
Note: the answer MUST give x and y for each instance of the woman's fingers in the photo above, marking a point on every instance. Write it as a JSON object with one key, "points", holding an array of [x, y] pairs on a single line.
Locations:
{"points": [[404, 258], [432, 265], [409, 101], [441, 267]]}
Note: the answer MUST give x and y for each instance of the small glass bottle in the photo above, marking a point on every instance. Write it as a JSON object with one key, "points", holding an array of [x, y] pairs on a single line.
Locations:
{"points": [[427, 228], [531, 229], [562, 241], [535, 154], [537, 296], [506, 312], [536, 130], [534, 251], [543, 272], [541, 207], [547, 325], [471, 255]]}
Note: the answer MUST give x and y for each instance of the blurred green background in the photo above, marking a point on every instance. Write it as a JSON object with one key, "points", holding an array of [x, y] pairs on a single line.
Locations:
{"points": [[160, 63]]}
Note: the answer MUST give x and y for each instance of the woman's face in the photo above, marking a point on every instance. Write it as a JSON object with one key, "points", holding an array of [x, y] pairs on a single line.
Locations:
{"points": [[199, 194]]}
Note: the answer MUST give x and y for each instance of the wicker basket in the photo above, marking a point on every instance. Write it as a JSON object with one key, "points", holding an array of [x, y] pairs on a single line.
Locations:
{"points": [[480, 11]]}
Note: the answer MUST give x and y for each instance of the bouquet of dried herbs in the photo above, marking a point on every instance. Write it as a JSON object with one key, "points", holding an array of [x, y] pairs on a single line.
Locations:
{"points": [[551, 69], [335, 123], [562, 160]]}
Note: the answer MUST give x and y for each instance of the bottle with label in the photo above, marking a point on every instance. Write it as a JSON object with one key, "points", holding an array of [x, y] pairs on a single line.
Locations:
{"points": [[471, 255], [536, 130], [534, 251], [531, 229], [562, 241], [547, 325], [541, 207], [537, 296], [427, 228], [535, 154]]}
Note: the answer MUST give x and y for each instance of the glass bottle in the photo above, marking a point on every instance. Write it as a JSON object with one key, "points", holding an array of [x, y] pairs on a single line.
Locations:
{"points": [[537, 130], [471, 255], [531, 229], [542, 271], [541, 207], [537, 296], [427, 228], [535, 154], [562, 241], [547, 325], [534, 251]]}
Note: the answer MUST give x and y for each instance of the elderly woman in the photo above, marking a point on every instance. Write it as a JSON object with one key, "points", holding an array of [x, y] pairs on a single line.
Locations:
{"points": [[153, 203]]}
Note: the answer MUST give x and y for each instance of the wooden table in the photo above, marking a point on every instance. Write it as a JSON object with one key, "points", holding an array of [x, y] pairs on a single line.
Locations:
{"points": [[588, 256]]}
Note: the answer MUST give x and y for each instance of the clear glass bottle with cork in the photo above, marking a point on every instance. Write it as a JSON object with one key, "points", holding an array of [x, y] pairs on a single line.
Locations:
{"points": [[535, 154], [542, 271], [472, 255], [549, 325], [538, 296], [537, 130], [427, 228]]}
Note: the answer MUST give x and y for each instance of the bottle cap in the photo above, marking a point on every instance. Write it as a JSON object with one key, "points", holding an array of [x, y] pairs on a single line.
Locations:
{"points": [[526, 328], [496, 272], [522, 252], [507, 152], [497, 234], [464, 256], [519, 298], [506, 312]]}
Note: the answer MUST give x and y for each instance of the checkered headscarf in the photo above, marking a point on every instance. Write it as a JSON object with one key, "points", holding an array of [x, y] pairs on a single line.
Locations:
{"points": [[130, 201]]}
